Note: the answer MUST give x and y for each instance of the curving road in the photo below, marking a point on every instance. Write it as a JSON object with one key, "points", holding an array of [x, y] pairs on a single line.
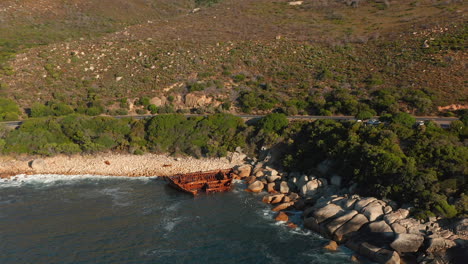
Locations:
{"points": [[437, 119]]}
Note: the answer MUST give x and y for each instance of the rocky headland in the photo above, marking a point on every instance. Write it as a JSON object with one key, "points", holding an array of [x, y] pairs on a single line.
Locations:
{"points": [[376, 229]]}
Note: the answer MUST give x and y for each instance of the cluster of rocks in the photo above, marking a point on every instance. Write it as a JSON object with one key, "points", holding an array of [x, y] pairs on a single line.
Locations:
{"points": [[376, 229]]}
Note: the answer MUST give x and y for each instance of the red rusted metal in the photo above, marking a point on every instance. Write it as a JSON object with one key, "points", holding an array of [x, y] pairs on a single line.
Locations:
{"points": [[202, 182]]}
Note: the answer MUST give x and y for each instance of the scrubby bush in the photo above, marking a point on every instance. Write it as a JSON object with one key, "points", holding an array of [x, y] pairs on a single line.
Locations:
{"points": [[153, 109], [196, 86], [9, 110], [239, 78], [364, 115], [403, 119], [144, 101], [94, 111], [141, 111]]}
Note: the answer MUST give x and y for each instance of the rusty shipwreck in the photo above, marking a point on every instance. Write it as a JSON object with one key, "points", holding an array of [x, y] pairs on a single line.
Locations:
{"points": [[202, 182]]}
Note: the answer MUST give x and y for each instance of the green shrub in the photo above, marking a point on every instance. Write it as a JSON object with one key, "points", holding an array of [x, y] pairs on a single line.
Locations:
{"points": [[138, 152], [196, 86], [273, 123], [239, 78], [61, 109], [144, 101], [444, 209], [364, 115], [94, 111], [123, 103], [166, 109], [9, 110], [206, 2], [141, 111], [226, 105], [404, 119], [2, 144], [121, 112], [153, 109]]}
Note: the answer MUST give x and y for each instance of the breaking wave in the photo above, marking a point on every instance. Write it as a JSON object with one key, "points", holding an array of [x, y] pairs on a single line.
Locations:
{"points": [[47, 180]]}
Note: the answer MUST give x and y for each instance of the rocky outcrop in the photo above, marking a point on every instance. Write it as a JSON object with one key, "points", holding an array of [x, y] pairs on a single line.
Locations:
{"points": [[196, 100], [374, 228]]}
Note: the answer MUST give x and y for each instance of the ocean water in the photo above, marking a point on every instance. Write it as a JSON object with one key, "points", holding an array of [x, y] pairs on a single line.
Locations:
{"points": [[93, 219]]}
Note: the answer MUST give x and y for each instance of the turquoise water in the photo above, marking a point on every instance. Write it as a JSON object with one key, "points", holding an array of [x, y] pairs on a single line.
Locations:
{"points": [[90, 219]]}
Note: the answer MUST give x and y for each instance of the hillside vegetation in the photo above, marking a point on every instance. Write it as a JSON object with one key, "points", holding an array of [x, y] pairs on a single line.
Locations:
{"points": [[253, 56]]}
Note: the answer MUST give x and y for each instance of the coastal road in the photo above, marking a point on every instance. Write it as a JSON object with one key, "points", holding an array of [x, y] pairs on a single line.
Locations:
{"points": [[437, 119]]}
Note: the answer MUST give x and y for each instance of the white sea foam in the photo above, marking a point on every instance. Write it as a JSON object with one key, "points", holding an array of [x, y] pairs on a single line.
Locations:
{"points": [[118, 196], [46, 180], [159, 252], [171, 223], [174, 207]]}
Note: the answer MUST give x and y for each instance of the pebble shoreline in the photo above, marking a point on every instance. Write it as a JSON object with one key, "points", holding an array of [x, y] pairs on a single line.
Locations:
{"points": [[149, 165]]}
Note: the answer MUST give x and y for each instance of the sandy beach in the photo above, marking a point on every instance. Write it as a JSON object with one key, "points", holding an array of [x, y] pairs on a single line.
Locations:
{"points": [[111, 164]]}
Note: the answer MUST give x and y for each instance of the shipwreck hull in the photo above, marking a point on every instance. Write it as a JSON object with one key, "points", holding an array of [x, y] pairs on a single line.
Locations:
{"points": [[202, 182]]}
